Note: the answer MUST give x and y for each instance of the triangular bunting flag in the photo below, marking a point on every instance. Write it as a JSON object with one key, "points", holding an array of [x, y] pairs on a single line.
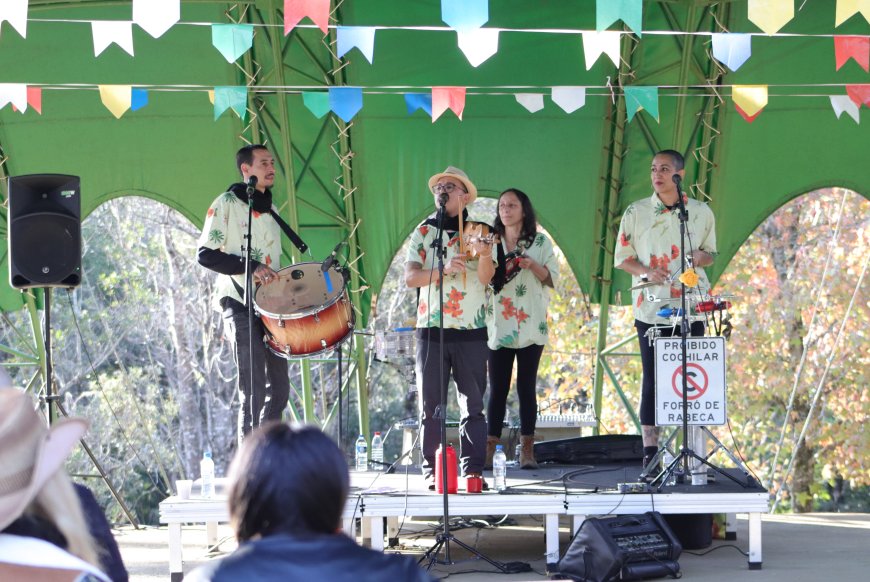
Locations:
{"points": [[533, 102], [156, 16], [478, 45], [465, 14], [847, 8], [296, 10], [841, 104], [34, 98], [444, 98], [629, 11], [646, 98], [415, 101], [14, 93], [852, 47], [138, 99], [595, 43], [345, 101], [732, 49], [361, 37], [107, 32], [770, 15], [316, 102], [116, 98], [232, 40], [859, 94], [749, 100], [15, 13], [570, 99], [231, 97]]}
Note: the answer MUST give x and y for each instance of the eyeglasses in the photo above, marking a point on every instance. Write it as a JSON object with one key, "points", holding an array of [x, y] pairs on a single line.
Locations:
{"points": [[446, 188]]}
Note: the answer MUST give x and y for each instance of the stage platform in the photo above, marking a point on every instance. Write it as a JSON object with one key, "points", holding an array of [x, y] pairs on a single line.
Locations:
{"points": [[382, 500]]}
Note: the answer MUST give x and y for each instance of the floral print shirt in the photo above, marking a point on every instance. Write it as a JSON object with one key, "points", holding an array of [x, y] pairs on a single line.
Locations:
{"points": [[517, 315], [650, 233], [225, 228], [464, 303]]}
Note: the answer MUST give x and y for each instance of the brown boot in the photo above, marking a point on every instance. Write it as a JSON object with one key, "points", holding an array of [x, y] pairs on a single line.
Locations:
{"points": [[491, 441], [527, 452]]}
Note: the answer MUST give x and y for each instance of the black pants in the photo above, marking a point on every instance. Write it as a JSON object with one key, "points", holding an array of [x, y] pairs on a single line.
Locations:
{"points": [[501, 366], [268, 397], [648, 360]]}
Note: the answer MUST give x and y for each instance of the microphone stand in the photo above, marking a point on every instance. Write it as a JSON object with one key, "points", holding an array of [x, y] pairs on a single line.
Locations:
{"points": [[444, 538], [249, 302]]}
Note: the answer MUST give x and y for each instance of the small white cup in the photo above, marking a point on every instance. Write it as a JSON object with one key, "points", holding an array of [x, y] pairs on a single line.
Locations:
{"points": [[183, 487]]}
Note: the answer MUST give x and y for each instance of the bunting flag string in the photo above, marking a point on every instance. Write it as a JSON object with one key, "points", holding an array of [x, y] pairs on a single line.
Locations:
{"points": [[156, 16], [852, 47], [15, 13]]}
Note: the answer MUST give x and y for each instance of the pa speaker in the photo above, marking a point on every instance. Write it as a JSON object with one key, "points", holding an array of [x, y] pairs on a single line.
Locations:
{"points": [[45, 238]]}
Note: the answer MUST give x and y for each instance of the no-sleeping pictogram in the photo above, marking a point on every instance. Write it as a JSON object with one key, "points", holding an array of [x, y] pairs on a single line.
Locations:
{"points": [[696, 381]]}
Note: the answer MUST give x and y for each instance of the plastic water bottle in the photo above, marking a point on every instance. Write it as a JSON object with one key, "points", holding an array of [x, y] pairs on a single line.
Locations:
{"points": [[499, 468], [206, 472], [377, 452], [667, 459], [362, 457]]}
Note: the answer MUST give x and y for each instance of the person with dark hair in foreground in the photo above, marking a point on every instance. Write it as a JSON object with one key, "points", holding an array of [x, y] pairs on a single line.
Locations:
{"points": [[288, 488]]}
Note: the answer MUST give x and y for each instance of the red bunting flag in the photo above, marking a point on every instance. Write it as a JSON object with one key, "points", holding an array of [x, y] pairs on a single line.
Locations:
{"points": [[852, 47], [34, 98], [444, 98], [743, 114], [859, 94], [296, 10]]}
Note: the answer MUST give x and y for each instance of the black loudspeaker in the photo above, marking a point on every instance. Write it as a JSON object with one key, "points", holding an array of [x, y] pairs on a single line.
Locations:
{"points": [[613, 448], [45, 237], [622, 547]]}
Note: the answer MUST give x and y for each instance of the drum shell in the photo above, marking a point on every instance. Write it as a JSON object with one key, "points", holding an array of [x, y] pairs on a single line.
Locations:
{"points": [[307, 336]]}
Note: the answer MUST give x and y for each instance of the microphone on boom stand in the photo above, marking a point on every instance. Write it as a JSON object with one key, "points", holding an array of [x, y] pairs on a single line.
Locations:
{"points": [[251, 185], [678, 180]]}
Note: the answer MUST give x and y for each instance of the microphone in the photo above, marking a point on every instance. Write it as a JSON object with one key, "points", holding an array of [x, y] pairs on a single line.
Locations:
{"points": [[677, 179], [330, 260], [442, 199], [251, 183], [684, 214]]}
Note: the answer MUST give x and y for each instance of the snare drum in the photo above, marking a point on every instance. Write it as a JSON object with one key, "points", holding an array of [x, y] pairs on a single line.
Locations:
{"points": [[305, 311]]}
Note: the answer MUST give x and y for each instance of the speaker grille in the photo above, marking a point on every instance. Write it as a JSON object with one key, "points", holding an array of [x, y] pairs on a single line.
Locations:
{"points": [[49, 246]]}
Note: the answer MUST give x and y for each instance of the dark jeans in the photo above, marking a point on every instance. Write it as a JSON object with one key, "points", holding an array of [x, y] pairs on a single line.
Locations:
{"points": [[466, 362], [648, 360], [271, 389], [501, 367]]}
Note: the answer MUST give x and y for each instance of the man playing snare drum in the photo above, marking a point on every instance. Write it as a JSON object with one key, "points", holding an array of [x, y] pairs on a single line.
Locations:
{"points": [[222, 249]]}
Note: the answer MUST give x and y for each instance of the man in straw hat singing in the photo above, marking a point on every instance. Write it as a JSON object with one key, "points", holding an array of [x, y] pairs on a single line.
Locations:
{"points": [[43, 532], [468, 269]]}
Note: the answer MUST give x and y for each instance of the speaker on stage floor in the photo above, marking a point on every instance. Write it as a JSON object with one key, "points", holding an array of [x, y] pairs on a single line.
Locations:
{"points": [[45, 240]]}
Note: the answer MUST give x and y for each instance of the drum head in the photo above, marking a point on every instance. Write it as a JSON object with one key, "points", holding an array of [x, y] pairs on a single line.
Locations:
{"points": [[300, 290]]}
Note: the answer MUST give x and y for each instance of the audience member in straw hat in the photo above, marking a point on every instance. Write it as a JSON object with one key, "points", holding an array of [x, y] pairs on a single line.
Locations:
{"points": [[43, 533], [466, 276], [288, 489]]}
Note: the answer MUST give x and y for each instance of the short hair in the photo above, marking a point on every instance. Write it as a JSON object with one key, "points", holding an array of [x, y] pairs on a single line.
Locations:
{"points": [[246, 154], [677, 157], [287, 478]]}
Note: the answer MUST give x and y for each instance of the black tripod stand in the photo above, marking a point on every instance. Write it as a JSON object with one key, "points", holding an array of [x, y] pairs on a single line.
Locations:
{"points": [[445, 538], [687, 453]]}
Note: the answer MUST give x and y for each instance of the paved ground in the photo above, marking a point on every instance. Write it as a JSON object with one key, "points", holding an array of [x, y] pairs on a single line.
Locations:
{"points": [[796, 548]]}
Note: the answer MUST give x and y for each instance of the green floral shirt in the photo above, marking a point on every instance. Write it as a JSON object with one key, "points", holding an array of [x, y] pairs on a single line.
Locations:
{"points": [[464, 303], [517, 315], [650, 233], [225, 228]]}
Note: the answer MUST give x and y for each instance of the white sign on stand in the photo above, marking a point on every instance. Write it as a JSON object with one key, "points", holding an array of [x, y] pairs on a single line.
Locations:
{"points": [[705, 375]]}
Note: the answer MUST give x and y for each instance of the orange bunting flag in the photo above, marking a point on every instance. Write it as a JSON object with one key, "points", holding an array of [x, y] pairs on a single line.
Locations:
{"points": [[444, 98], [770, 15], [859, 94], [749, 100], [852, 47], [296, 10]]}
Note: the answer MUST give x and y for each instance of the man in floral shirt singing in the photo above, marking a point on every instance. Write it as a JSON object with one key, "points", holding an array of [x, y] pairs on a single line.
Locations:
{"points": [[464, 322], [648, 247]]}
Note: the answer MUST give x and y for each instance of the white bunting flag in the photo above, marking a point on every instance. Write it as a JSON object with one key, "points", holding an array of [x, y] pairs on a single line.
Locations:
{"points": [[15, 13], [478, 45], [156, 16], [595, 43], [569, 98], [843, 104], [107, 32], [532, 101], [14, 93]]}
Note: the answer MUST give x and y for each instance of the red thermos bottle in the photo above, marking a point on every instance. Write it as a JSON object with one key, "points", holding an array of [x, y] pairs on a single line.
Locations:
{"points": [[452, 481]]}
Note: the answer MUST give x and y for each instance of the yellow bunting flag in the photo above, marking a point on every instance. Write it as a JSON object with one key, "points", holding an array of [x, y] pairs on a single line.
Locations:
{"points": [[116, 98], [770, 15], [847, 8], [750, 99], [211, 96]]}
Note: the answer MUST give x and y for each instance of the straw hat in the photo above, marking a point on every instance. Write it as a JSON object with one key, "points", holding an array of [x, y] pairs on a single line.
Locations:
{"points": [[30, 453], [456, 173]]}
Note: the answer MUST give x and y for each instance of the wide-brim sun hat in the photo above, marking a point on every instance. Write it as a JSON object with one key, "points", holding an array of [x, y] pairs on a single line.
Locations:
{"points": [[30, 452], [457, 174]]}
